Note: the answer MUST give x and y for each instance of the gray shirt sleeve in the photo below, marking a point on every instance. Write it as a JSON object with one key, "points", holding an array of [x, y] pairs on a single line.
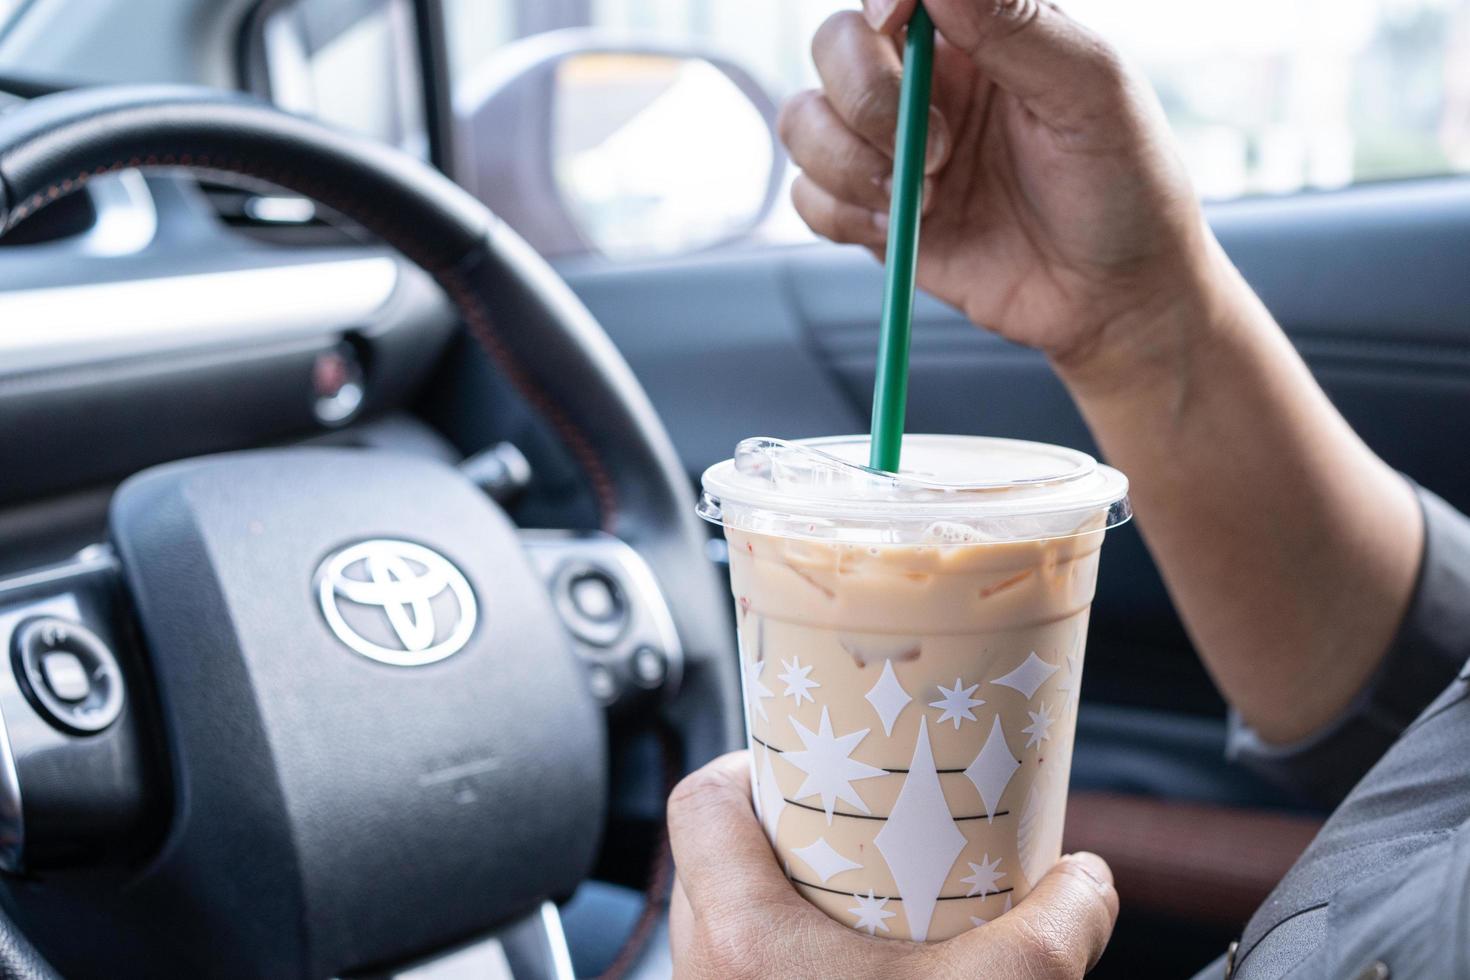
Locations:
{"points": [[1431, 648]]}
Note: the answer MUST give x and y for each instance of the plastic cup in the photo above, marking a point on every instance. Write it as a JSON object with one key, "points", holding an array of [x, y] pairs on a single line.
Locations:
{"points": [[911, 650]]}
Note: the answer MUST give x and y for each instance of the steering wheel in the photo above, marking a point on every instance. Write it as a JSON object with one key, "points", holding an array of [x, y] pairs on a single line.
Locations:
{"points": [[309, 831]]}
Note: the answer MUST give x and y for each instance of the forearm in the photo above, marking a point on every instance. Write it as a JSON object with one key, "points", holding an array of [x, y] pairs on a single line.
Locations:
{"points": [[1289, 548]]}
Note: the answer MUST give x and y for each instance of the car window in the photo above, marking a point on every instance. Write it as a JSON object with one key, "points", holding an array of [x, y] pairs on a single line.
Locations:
{"points": [[352, 63], [1265, 96], [1275, 96]]}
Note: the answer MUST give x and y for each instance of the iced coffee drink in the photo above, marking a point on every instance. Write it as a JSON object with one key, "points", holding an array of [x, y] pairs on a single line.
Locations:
{"points": [[911, 648]]}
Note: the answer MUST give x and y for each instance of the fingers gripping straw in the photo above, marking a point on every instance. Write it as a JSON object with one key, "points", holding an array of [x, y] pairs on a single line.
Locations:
{"points": [[911, 649]]}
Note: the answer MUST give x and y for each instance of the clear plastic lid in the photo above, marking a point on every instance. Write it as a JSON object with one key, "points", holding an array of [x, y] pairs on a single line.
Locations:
{"points": [[950, 490]]}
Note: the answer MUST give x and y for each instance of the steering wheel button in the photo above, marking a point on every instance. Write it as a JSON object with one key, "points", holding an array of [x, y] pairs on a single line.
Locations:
{"points": [[649, 667], [65, 676], [68, 674], [591, 603], [602, 684], [593, 596]]}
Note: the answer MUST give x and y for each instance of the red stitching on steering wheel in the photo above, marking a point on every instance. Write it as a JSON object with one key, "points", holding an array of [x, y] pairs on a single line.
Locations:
{"points": [[482, 328]]}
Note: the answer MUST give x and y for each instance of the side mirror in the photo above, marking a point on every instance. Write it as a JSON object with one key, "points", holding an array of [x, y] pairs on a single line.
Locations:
{"points": [[628, 148]]}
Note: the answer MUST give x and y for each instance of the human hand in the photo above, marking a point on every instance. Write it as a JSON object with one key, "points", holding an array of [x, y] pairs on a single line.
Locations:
{"points": [[734, 915], [1057, 213]]}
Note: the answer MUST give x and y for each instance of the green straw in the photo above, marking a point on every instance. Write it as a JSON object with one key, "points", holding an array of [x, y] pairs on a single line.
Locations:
{"points": [[891, 386]]}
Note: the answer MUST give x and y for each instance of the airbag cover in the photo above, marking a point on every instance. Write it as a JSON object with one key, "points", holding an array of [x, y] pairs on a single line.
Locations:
{"points": [[395, 808]]}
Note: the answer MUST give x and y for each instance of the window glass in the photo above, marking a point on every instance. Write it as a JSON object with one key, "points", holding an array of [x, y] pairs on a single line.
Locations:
{"points": [[1265, 96], [1273, 96], [475, 29], [353, 63]]}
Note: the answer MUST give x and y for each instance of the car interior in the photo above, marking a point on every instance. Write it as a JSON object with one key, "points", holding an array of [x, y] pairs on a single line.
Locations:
{"points": [[289, 284]]}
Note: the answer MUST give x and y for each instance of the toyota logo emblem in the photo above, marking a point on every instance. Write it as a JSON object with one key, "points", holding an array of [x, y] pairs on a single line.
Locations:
{"points": [[396, 603]]}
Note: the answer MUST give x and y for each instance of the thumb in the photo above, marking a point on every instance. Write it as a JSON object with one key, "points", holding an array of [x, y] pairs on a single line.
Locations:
{"points": [[1054, 65], [719, 849], [1057, 931]]}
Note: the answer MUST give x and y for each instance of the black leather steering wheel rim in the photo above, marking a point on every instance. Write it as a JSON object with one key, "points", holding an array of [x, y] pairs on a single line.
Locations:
{"points": [[524, 317]]}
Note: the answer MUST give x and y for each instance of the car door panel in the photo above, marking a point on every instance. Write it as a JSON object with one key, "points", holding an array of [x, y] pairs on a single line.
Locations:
{"points": [[1371, 286]]}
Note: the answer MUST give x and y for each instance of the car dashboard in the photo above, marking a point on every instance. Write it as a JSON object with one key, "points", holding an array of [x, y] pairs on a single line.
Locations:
{"points": [[142, 327]]}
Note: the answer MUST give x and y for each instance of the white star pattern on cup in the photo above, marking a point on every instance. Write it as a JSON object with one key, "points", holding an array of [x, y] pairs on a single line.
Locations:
{"points": [[1028, 677], [756, 692], [920, 841], [823, 858], [975, 920], [992, 769], [798, 684], [888, 697], [871, 913], [829, 772], [983, 876], [1040, 727], [956, 703]]}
